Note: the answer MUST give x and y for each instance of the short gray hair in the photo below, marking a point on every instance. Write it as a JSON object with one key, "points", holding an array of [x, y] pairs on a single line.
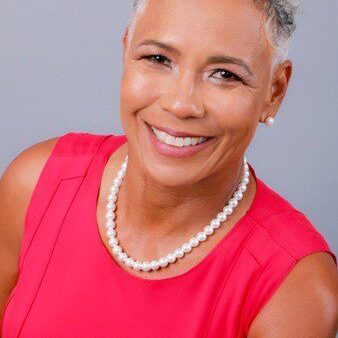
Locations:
{"points": [[279, 21]]}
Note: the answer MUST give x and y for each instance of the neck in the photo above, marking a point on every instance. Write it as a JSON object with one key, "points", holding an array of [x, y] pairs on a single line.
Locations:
{"points": [[163, 212]]}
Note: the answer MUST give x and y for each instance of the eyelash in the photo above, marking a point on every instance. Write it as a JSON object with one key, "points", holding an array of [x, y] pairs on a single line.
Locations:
{"points": [[151, 56]]}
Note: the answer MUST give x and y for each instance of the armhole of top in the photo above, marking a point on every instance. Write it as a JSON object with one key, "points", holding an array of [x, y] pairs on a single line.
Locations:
{"points": [[70, 144], [33, 197], [270, 287], [57, 148], [314, 239], [272, 276]]}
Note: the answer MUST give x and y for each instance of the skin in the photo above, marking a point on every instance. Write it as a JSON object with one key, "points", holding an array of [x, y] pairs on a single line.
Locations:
{"points": [[185, 93], [160, 194], [16, 187]]}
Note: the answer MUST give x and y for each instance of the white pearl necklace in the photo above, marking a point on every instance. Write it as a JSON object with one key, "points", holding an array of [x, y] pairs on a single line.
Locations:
{"points": [[186, 247]]}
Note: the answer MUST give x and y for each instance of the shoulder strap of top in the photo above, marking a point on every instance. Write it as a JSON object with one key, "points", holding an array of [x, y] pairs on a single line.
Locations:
{"points": [[57, 186], [69, 161]]}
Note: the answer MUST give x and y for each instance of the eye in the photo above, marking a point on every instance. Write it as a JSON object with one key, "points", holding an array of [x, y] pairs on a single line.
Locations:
{"points": [[156, 58], [227, 75]]}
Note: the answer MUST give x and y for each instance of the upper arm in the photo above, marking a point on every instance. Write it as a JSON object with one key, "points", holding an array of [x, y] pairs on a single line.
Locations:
{"points": [[16, 186], [305, 305]]}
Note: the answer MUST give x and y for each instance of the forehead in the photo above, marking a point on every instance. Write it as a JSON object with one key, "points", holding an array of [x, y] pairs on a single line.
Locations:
{"points": [[199, 26]]}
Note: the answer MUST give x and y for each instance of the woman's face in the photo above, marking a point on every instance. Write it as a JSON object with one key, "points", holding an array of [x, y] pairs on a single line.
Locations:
{"points": [[211, 77]]}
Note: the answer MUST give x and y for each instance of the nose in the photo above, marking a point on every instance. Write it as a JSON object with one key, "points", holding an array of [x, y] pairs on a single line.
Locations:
{"points": [[182, 100]]}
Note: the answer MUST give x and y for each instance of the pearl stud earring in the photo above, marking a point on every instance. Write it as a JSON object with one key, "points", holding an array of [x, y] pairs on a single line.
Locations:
{"points": [[269, 121]]}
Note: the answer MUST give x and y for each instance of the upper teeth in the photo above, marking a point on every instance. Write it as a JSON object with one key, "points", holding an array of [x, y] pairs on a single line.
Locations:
{"points": [[177, 141]]}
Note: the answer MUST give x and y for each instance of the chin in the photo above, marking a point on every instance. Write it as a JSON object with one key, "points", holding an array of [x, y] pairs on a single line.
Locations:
{"points": [[171, 176]]}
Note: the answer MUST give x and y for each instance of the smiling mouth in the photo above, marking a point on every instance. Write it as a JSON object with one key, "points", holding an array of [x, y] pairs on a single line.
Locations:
{"points": [[177, 141], [175, 133]]}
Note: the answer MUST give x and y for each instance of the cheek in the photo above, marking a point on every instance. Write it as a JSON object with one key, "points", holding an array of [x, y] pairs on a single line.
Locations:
{"points": [[137, 89], [137, 94], [234, 110]]}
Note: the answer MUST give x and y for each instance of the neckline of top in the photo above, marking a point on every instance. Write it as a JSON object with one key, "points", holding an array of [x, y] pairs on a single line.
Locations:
{"points": [[111, 148]]}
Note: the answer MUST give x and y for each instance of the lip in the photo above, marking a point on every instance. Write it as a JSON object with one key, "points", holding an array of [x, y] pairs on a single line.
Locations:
{"points": [[172, 151], [177, 133]]}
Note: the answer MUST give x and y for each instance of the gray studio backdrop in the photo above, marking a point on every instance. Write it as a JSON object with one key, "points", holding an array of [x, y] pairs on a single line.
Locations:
{"points": [[60, 68]]}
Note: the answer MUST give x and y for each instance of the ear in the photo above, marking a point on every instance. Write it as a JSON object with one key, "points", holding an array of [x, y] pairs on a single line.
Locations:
{"points": [[125, 40], [279, 85]]}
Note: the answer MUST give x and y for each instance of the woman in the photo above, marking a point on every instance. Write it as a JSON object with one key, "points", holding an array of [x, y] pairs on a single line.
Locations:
{"points": [[166, 231]]}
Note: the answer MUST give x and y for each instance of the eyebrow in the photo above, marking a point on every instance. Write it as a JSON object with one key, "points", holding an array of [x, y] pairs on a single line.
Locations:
{"points": [[210, 59]]}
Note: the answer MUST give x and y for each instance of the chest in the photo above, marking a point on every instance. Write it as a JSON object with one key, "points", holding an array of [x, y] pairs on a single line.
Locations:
{"points": [[81, 293]]}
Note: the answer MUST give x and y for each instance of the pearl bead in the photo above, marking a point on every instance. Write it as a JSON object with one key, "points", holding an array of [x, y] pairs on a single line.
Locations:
{"points": [[171, 258], [193, 242], [179, 253], [209, 230], [215, 223], [112, 197], [117, 249], [269, 121], [111, 206], [186, 247], [238, 195], [163, 262], [117, 181], [154, 265], [245, 180], [145, 266], [110, 224], [228, 210], [221, 217], [113, 241], [233, 202], [122, 256], [129, 262], [242, 187], [201, 236], [114, 189], [111, 233], [137, 266], [110, 214]]}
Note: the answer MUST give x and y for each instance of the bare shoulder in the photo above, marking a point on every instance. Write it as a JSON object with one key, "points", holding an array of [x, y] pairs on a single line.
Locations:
{"points": [[305, 304], [16, 186]]}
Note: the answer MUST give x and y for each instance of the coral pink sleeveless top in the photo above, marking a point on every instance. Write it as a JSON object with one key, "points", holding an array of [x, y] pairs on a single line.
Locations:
{"points": [[69, 284]]}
